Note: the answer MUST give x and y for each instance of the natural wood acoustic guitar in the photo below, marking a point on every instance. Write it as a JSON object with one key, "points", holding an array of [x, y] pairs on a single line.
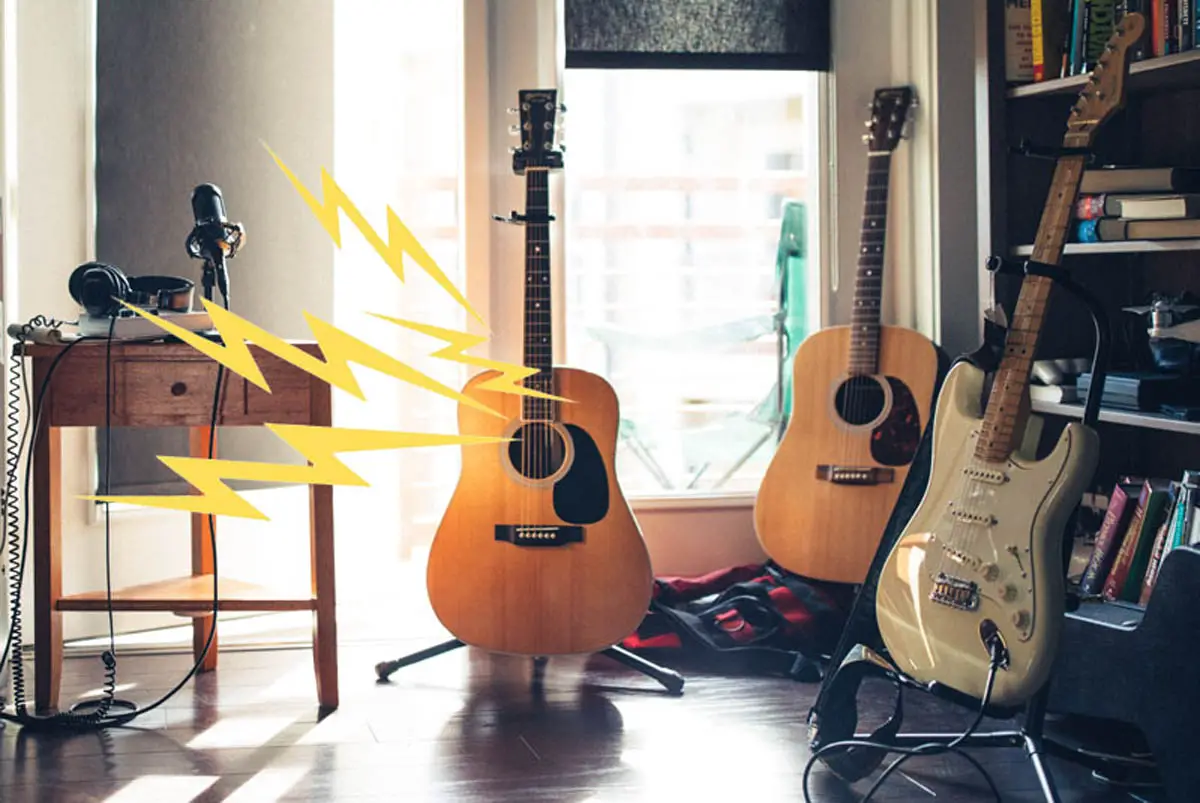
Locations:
{"points": [[972, 594], [862, 396], [538, 552]]}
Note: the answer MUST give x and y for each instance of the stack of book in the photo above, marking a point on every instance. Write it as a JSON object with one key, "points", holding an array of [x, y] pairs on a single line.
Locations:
{"points": [[1138, 203], [1056, 38], [1145, 519]]}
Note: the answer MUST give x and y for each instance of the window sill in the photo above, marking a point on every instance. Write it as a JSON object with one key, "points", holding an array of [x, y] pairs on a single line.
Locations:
{"points": [[693, 502]]}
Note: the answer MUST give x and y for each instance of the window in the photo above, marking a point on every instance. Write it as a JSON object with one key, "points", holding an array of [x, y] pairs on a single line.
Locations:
{"points": [[676, 183]]}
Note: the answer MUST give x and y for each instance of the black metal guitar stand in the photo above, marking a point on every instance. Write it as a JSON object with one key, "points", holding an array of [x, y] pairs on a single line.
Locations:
{"points": [[671, 680], [1029, 735]]}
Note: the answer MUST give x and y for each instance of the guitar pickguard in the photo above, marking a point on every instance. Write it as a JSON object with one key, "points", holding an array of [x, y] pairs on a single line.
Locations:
{"points": [[581, 497], [895, 441]]}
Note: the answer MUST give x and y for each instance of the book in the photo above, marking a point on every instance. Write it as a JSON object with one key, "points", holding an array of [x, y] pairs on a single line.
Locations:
{"points": [[1121, 504], [1018, 41], [1049, 22], [1158, 207], [1135, 548], [1139, 179], [1099, 25], [1107, 230], [1161, 546]]}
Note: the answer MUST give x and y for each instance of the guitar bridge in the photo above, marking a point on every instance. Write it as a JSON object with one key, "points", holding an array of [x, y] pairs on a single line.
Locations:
{"points": [[856, 475], [539, 535], [955, 592]]}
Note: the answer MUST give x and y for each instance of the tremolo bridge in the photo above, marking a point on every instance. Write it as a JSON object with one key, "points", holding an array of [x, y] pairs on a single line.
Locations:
{"points": [[855, 475], [955, 592]]}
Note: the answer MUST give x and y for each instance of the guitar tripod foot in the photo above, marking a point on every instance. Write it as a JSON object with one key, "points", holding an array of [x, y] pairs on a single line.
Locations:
{"points": [[671, 680]]}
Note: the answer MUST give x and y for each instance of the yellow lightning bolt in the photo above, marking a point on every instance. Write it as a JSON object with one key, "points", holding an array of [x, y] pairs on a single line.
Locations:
{"points": [[319, 445], [338, 347], [400, 238], [510, 375]]}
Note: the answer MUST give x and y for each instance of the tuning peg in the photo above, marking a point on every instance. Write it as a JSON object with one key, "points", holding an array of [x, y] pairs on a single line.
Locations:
{"points": [[512, 110], [562, 108], [514, 130], [866, 138]]}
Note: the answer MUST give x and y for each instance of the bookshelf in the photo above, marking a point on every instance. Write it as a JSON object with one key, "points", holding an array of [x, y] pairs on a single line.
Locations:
{"points": [[1158, 127]]}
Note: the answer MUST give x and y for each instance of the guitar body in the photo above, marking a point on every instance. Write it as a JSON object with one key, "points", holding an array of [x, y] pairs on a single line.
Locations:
{"points": [[829, 528], [534, 597], [1015, 561]]}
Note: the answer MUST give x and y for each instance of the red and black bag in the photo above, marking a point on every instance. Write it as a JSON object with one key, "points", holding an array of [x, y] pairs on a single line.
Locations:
{"points": [[755, 618]]}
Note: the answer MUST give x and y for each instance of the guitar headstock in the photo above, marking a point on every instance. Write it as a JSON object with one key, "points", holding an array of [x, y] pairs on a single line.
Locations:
{"points": [[889, 115], [1104, 93], [538, 109]]}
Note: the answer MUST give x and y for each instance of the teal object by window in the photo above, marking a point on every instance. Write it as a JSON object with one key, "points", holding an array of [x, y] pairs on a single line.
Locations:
{"points": [[791, 276]]}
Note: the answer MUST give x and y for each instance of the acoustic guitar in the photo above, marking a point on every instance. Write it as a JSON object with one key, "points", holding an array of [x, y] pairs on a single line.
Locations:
{"points": [[538, 552], [976, 578], [862, 395]]}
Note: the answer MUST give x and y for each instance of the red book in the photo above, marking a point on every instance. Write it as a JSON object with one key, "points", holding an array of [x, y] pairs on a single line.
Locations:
{"points": [[1108, 539], [1138, 540]]}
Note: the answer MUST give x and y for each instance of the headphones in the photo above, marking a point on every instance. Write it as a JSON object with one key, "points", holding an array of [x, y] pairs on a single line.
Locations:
{"points": [[100, 288]]}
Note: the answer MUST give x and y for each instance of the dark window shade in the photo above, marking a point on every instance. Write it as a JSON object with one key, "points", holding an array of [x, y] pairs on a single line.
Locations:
{"points": [[698, 34]]}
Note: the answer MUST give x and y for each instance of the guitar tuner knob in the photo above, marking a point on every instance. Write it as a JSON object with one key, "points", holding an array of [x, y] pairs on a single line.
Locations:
{"points": [[511, 110], [562, 108]]}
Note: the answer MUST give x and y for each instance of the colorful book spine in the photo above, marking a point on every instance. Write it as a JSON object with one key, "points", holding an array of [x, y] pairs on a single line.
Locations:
{"points": [[1108, 539], [1089, 207], [1162, 541], [1120, 564], [1087, 231]]}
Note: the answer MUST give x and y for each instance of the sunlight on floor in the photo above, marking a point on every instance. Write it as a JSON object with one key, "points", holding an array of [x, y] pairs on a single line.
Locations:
{"points": [[268, 785], [240, 732], [162, 788]]}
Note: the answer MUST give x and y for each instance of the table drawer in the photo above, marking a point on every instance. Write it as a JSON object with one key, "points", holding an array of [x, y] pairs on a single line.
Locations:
{"points": [[172, 392]]}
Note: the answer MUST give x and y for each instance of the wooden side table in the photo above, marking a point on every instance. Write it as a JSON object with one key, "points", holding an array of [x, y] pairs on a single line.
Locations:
{"points": [[171, 385]]}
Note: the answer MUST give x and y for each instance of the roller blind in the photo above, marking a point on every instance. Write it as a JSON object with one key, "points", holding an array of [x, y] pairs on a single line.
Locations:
{"points": [[698, 34]]}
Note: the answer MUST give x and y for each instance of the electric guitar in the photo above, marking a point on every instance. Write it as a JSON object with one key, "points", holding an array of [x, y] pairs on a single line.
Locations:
{"points": [[862, 394], [538, 552], [978, 571]]}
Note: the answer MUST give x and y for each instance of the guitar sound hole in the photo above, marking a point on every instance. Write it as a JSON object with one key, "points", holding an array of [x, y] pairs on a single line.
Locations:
{"points": [[537, 450], [859, 400]]}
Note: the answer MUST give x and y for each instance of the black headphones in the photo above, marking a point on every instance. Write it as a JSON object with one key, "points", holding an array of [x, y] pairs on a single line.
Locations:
{"points": [[99, 288]]}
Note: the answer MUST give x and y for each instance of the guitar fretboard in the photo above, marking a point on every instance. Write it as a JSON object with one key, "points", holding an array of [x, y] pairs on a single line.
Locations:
{"points": [[868, 282], [539, 342], [1008, 407]]}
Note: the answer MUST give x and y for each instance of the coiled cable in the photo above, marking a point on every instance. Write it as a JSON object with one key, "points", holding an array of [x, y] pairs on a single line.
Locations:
{"points": [[18, 539]]}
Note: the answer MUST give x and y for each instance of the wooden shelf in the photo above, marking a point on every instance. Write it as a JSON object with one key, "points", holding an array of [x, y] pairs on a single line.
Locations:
{"points": [[186, 596], [1121, 247], [1123, 417], [1164, 72]]}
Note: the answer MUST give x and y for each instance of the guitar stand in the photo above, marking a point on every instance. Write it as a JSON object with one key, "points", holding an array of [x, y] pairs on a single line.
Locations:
{"points": [[1029, 735], [671, 680]]}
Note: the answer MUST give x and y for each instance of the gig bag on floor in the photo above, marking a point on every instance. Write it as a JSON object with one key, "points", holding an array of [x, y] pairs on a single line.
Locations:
{"points": [[756, 619]]}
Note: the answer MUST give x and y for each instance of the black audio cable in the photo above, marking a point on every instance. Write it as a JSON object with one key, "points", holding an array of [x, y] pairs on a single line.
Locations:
{"points": [[996, 652], [100, 717]]}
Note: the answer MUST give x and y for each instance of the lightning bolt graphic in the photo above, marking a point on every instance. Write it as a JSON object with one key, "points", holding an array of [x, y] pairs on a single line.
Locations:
{"points": [[400, 238], [510, 375], [318, 445], [338, 347]]}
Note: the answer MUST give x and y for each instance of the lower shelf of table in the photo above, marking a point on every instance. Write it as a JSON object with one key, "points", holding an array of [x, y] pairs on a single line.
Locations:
{"points": [[187, 596]]}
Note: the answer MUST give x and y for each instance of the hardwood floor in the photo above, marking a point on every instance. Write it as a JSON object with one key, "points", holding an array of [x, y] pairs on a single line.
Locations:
{"points": [[466, 726]]}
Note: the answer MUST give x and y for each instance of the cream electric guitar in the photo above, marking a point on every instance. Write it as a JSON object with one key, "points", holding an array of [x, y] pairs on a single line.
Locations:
{"points": [[978, 569]]}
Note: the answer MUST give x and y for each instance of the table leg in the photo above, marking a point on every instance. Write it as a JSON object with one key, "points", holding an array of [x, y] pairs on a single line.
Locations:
{"points": [[47, 571], [202, 557], [325, 647]]}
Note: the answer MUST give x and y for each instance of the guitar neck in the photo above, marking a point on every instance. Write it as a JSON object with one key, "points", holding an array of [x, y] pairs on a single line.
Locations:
{"points": [[539, 341], [868, 282], [1008, 405]]}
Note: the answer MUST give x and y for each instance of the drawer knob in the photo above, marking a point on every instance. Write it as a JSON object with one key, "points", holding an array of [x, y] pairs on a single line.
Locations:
{"points": [[179, 388]]}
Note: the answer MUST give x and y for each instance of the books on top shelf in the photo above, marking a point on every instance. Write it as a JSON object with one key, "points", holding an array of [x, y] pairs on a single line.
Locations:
{"points": [[1048, 39], [1145, 520]]}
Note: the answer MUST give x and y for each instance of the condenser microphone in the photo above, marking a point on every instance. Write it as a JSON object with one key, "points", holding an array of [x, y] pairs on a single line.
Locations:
{"points": [[214, 239]]}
